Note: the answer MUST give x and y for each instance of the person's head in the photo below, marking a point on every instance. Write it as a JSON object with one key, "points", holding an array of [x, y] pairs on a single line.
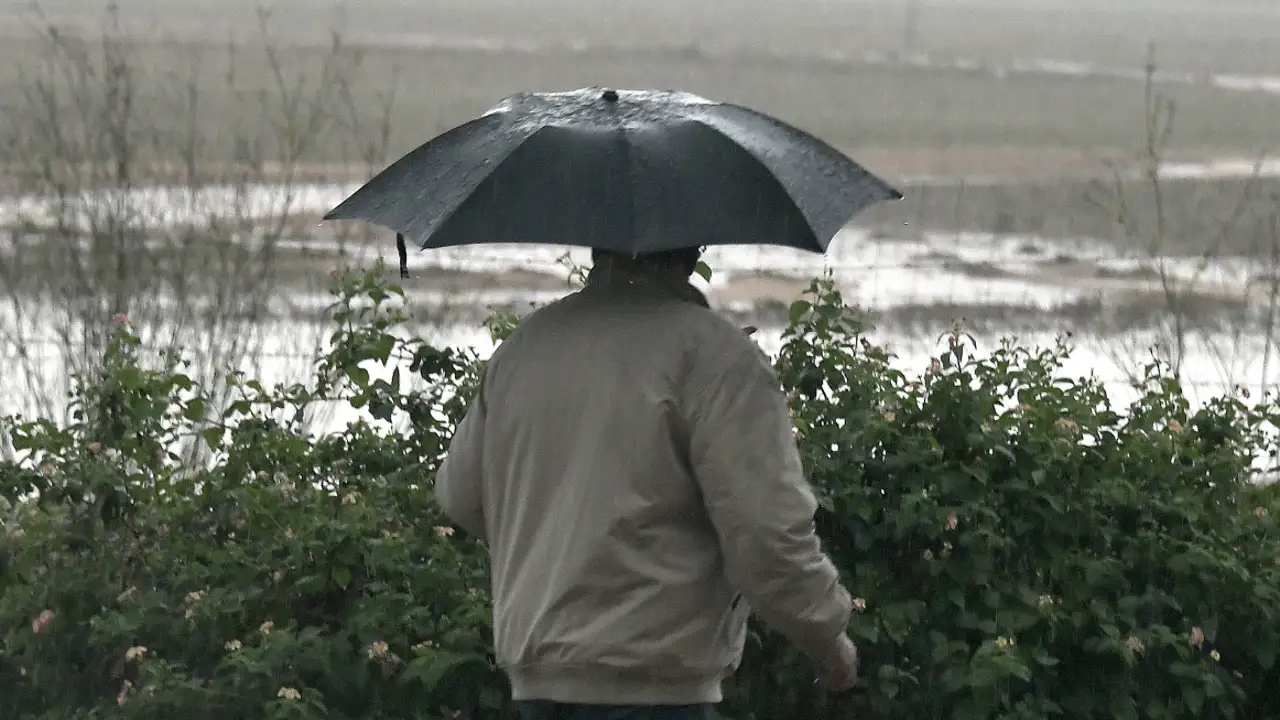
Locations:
{"points": [[682, 262]]}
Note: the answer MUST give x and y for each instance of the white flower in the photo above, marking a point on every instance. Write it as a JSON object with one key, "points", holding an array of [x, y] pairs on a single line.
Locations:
{"points": [[380, 651], [42, 621]]}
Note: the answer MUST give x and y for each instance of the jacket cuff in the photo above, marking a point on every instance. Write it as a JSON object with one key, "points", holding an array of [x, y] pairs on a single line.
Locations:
{"points": [[831, 620]]}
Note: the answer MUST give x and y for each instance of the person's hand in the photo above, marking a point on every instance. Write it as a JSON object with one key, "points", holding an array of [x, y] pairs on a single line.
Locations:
{"points": [[838, 672]]}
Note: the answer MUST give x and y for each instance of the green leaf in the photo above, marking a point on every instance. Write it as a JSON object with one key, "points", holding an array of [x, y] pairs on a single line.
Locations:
{"points": [[194, 411], [1042, 657], [492, 699], [703, 270], [798, 310], [1266, 655], [342, 576], [1123, 708], [359, 376], [212, 437], [430, 670], [382, 347], [1193, 696]]}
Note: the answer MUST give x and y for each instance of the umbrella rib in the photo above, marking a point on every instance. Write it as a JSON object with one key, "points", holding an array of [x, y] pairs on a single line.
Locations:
{"points": [[624, 143], [779, 186], [493, 165], [403, 165]]}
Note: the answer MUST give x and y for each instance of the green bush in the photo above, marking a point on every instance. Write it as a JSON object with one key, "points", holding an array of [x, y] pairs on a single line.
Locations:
{"points": [[1020, 548]]}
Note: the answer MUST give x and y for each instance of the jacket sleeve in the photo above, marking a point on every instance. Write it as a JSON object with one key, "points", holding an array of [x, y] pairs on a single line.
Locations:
{"points": [[745, 459], [459, 481]]}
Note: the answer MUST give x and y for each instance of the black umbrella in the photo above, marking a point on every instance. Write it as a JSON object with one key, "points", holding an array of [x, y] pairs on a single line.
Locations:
{"points": [[632, 171]]}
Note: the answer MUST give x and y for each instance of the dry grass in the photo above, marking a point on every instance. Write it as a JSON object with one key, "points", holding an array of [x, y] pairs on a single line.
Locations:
{"points": [[879, 109], [765, 54], [1219, 217]]}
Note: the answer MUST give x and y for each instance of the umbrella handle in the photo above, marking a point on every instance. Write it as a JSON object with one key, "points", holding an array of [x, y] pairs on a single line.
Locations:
{"points": [[404, 256]]}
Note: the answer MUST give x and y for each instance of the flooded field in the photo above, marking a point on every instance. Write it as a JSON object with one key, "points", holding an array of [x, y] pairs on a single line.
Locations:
{"points": [[1019, 132]]}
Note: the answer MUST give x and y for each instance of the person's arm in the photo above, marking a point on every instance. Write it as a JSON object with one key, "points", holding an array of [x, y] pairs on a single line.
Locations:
{"points": [[744, 455], [459, 479]]}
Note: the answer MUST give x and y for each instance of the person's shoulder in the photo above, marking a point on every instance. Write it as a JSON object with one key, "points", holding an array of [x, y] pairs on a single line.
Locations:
{"points": [[718, 345], [716, 330], [551, 313], [530, 325]]}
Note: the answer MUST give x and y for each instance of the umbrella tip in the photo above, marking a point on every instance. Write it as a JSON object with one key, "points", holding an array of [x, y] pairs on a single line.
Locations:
{"points": [[609, 95], [402, 252]]}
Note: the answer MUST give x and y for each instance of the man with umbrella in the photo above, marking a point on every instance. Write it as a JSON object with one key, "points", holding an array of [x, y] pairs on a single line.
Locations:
{"points": [[630, 459]]}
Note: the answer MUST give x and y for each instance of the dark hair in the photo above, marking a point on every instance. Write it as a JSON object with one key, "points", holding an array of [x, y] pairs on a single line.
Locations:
{"points": [[684, 260]]}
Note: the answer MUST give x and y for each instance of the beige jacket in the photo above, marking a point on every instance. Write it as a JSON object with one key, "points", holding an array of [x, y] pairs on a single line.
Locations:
{"points": [[631, 464]]}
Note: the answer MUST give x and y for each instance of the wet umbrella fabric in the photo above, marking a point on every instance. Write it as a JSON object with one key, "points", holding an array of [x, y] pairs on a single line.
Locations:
{"points": [[629, 170]]}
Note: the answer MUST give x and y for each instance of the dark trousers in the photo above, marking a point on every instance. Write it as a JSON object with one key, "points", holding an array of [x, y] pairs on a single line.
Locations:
{"points": [[545, 710]]}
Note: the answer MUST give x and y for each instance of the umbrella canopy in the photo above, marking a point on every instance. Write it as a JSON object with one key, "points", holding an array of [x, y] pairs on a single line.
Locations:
{"points": [[628, 170]]}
